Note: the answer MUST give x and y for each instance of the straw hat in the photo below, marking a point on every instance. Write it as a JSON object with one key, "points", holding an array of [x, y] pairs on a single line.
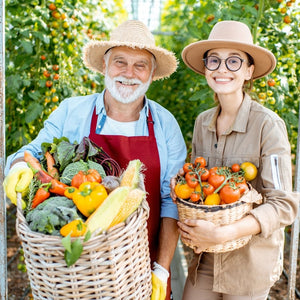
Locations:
{"points": [[133, 34], [230, 34]]}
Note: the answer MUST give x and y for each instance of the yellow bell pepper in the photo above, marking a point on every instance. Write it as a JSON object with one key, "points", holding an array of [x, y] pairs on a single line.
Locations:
{"points": [[88, 197]]}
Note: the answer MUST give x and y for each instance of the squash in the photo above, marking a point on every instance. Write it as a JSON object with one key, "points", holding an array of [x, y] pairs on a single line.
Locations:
{"points": [[132, 202]]}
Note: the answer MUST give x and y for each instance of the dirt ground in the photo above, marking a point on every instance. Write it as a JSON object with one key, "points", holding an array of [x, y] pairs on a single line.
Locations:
{"points": [[19, 287]]}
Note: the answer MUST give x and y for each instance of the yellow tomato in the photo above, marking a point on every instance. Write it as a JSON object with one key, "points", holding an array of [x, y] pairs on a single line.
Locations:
{"points": [[250, 170], [212, 199]]}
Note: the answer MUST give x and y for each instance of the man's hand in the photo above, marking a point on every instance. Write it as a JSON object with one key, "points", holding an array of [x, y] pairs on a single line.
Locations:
{"points": [[159, 282], [17, 181]]}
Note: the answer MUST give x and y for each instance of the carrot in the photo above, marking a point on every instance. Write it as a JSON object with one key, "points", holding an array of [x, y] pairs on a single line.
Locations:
{"points": [[40, 196], [39, 173], [50, 165], [32, 161], [57, 187]]}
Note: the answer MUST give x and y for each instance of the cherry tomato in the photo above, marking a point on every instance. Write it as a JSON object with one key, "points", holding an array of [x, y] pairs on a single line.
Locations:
{"points": [[204, 174], [250, 170], [187, 167], [192, 182], [243, 187], [229, 193], [213, 170], [195, 197], [235, 168], [200, 162], [208, 189], [190, 175]]}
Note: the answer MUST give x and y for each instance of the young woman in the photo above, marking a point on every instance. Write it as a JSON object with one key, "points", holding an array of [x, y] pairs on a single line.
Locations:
{"points": [[237, 130]]}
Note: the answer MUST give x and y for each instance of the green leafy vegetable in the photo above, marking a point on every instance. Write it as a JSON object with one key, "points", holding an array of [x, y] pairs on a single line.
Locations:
{"points": [[76, 249], [49, 216]]}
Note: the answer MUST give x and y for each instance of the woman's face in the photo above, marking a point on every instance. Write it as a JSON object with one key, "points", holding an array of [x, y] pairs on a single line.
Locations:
{"points": [[222, 80]]}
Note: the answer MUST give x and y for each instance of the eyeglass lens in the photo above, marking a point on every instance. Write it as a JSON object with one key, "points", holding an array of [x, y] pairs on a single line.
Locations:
{"points": [[233, 63]]}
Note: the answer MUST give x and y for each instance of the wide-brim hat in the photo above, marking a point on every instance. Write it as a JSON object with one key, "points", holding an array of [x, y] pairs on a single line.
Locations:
{"points": [[230, 34], [136, 35]]}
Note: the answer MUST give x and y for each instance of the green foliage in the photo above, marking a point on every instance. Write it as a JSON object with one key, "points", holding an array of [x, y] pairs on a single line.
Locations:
{"points": [[44, 40], [274, 24]]}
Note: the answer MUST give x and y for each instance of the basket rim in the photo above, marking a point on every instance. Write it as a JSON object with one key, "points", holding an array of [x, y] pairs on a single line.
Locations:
{"points": [[210, 208]]}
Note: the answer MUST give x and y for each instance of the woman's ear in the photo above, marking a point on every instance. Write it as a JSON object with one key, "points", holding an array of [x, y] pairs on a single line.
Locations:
{"points": [[249, 72]]}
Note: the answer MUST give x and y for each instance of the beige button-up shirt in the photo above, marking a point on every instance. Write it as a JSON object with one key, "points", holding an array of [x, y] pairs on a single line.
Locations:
{"points": [[259, 136]]}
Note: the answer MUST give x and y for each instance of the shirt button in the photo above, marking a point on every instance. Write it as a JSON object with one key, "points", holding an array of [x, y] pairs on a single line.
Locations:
{"points": [[216, 146]]}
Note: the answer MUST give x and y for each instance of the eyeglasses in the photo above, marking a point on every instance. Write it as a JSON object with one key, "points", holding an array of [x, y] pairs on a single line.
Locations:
{"points": [[233, 63]]}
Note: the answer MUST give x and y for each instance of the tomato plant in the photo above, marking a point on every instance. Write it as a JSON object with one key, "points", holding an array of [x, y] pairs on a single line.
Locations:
{"points": [[44, 40]]}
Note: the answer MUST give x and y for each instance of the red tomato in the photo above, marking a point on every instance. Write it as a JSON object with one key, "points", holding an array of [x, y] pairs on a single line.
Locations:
{"points": [[187, 167], [243, 187], [213, 170], [192, 182], [235, 168], [195, 197], [229, 193], [204, 174], [208, 189], [190, 175], [200, 162], [216, 180]]}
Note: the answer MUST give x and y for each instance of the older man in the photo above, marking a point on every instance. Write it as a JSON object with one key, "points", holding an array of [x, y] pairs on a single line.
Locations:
{"points": [[128, 126]]}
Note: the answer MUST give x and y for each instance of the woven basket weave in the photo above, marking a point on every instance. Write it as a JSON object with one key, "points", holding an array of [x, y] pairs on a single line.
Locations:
{"points": [[220, 215], [113, 265]]}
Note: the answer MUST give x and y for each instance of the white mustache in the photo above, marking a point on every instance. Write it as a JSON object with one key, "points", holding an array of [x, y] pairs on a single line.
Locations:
{"points": [[127, 81]]}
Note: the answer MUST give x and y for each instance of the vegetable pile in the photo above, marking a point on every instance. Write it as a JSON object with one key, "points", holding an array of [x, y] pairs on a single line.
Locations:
{"points": [[78, 190], [215, 186]]}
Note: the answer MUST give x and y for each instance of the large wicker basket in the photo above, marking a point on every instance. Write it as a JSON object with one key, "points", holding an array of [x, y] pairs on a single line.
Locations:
{"points": [[221, 215], [113, 265]]}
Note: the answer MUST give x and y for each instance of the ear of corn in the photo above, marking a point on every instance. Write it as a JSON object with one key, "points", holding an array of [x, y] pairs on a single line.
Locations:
{"points": [[131, 203], [102, 217], [131, 176]]}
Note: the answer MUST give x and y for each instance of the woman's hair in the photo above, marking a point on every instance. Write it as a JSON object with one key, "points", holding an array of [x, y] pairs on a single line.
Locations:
{"points": [[248, 84]]}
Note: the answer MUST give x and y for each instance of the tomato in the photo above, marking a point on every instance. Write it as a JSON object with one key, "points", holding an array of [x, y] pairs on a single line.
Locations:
{"points": [[46, 73], [250, 170], [56, 76], [43, 57], [204, 174], [49, 83], [91, 175], [190, 175], [213, 199], [216, 180], [192, 182], [235, 168], [229, 193], [183, 190], [195, 197], [271, 82], [213, 170], [200, 162], [55, 67], [52, 6], [208, 189], [243, 187], [187, 167]]}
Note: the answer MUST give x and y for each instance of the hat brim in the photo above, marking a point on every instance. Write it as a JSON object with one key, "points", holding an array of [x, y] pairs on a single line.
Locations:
{"points": [[94, 51], [264, 60]]}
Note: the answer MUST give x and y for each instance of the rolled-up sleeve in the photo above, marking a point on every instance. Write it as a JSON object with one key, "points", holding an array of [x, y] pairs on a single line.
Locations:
{"points": [[275, 183]]}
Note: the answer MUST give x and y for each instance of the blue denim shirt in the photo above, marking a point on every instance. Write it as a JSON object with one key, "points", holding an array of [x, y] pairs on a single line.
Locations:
{"points": [[72, 119]]}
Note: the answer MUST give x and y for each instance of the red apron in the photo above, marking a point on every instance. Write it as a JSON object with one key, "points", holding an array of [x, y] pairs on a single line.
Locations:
{"points": [[123, 149]]}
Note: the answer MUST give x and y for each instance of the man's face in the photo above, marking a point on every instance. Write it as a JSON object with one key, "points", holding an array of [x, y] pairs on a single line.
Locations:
{"points": [[128, 73]]}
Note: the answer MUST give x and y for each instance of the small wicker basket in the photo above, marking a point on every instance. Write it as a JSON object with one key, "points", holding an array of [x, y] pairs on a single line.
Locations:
{"points": [[220, 215], [113, 265]]}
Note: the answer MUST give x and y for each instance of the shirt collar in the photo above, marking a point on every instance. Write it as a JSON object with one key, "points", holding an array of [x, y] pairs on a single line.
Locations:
{"points": [[100, 108], [240, 123]]}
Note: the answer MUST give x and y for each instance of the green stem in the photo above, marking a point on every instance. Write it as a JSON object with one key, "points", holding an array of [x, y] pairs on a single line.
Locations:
{"points": [[259, 16]]}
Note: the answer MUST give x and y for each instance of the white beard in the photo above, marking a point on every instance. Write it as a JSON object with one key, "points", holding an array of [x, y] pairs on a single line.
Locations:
{"points": [[125, 94]]}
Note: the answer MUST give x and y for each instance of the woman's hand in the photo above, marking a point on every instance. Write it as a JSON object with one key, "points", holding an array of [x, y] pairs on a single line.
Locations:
{"points": [[173, 184], [200, 233]]}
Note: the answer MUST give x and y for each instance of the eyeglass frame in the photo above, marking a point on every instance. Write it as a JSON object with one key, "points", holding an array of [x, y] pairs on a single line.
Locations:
{"points": [[220, 61]]}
